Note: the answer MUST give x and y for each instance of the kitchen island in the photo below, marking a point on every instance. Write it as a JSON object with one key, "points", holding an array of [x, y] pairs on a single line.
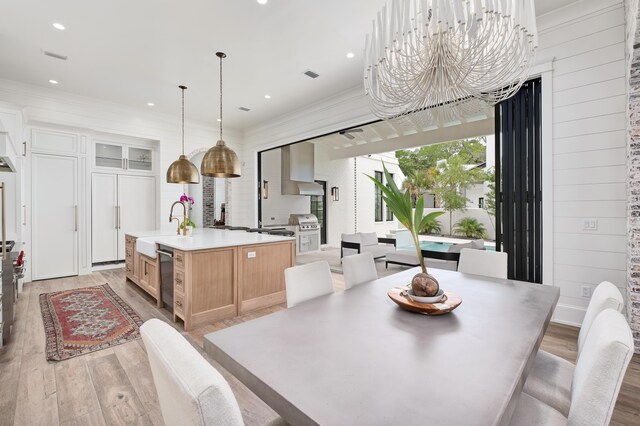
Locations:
{"points": [[217, 274]]}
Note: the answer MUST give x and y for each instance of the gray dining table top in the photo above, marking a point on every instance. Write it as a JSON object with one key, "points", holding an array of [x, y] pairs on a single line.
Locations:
{"points": [[356, 358]]}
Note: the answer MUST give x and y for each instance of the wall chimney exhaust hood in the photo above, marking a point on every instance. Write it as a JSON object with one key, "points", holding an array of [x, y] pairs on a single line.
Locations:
{"points": [[7, 153], [297, 166]]}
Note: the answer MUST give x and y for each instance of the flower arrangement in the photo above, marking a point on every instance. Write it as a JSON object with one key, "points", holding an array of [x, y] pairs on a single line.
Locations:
{"points": [[184, 198], [187, 199]]}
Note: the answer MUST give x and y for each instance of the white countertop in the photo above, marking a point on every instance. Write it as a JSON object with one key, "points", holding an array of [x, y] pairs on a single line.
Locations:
{"points": [[203, 239], [143, 234]]}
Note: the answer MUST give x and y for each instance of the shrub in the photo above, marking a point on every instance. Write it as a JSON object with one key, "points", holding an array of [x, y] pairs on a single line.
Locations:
{"points": [[431, 227], [470, 228]]}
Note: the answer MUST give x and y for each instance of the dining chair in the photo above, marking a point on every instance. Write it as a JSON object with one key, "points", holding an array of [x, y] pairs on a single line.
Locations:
{"points": [[190, 390], [358, 269], [483, 262], [550, 377], [597, 378], [305, 282]]}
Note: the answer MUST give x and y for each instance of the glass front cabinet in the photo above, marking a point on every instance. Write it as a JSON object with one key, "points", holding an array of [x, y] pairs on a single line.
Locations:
{"points": [[115, 156]]}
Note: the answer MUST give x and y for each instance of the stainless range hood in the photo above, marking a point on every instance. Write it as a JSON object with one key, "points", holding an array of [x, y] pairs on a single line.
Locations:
{"points": [[7, 153], [297, 167]]}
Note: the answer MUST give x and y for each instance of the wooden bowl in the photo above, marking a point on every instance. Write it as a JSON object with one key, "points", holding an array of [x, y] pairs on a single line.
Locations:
{"points": [[451, 302]]}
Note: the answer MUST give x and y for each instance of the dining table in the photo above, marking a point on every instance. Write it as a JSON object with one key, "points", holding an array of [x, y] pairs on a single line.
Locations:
{"points": [[357, 358]]}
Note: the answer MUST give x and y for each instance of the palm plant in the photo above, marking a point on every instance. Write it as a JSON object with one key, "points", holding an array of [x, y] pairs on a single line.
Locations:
{"points": [[432, 227], [470, 228], [400, 204]]}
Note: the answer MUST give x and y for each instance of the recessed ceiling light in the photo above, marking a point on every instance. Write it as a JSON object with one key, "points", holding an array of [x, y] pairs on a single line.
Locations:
{"points": [[150, 104], [262, 1], [267, 96], [219, 120], [350, 55], [59, 26], [53, 81]]}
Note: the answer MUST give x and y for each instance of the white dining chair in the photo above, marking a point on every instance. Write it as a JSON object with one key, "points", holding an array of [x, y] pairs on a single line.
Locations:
{"points": [[190, 390], [358, 269], [483, 262], [305, 282], [550, 377], [597, 378]]}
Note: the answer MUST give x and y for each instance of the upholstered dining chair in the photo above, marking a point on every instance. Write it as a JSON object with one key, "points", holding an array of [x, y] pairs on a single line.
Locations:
{"points": [[597, 378], [358, 269], [550, 377], [305, 282], [191, 391], [483, 262]]}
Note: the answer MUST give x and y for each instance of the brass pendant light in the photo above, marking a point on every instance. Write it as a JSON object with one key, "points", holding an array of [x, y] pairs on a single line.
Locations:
{"points": [[220, 161], [182, 170]]}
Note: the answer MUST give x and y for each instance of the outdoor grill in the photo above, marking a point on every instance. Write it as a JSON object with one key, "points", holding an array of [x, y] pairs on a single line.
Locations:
{"points": [[305, 222]]}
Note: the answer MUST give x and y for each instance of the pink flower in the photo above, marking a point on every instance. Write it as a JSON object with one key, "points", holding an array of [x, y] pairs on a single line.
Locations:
{"points": [[185, 198]]}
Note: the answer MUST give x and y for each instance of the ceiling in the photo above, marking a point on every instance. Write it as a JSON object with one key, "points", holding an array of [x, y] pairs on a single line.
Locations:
{"points": [[134, 52], [384, 136]]}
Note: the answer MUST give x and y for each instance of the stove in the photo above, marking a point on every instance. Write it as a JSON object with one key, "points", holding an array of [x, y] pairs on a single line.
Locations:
{"points": [[305, 222], [307, 232]]}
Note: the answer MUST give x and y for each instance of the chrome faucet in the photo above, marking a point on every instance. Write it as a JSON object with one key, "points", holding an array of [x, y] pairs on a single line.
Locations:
{"points": [[184, 222]]}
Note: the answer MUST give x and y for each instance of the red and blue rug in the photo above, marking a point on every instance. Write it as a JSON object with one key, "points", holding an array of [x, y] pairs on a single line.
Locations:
{"points": [[84, 320]]}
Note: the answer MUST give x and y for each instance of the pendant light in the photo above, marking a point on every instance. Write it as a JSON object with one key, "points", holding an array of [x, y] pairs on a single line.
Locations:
{"points": [[220, 161], [182, 170]]}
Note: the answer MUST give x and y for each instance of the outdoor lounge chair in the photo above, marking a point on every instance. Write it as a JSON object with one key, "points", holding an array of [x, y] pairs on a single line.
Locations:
{"points": [[366, 242]]}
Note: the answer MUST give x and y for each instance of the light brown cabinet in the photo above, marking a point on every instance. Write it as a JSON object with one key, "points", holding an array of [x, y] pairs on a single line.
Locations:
{"points": [[142, 270], [149, 279], [216, 284]]}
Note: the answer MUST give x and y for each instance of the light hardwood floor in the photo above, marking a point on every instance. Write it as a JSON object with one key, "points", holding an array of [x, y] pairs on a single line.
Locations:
{"points": [[114, 386]]}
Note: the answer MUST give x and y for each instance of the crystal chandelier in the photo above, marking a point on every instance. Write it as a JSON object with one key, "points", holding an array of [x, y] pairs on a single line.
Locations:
{"points": [[435, 61]]}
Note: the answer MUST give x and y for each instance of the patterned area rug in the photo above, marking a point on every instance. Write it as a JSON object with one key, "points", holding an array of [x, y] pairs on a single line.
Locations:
{"points": [[85, 320]]}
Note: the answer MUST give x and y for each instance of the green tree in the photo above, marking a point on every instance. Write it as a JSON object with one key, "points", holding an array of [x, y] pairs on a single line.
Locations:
{"points": [[451, 179], [418, 182], [490, 197], [470, 151]]}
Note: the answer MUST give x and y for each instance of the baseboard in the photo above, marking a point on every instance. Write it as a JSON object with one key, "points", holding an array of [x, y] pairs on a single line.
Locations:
{"points": [[568, 315], [107, 267]]}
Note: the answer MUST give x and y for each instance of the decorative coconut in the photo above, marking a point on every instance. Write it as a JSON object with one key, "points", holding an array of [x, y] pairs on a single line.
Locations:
{"points": [[424, 285]]}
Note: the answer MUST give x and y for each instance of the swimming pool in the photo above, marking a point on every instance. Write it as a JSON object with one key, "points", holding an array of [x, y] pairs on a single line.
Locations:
{"points": [[439, 246]]}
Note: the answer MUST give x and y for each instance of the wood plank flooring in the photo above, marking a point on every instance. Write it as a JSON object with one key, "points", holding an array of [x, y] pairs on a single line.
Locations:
{"points": [[115, 386]]}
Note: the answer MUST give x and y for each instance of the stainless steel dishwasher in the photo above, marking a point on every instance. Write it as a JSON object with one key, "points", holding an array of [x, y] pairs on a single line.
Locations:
{"points": [[166, 276]]}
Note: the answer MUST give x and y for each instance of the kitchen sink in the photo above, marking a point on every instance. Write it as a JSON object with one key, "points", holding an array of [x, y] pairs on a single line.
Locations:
{"points": [[146, 246]]}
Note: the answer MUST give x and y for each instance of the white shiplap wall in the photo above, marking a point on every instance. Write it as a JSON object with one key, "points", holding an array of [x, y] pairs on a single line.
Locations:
{"points": [[589, 150]]}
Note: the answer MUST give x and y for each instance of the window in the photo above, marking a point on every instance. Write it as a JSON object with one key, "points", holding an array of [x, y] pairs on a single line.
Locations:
{"points": [[481, 202], [378, 196], [389, 212]]}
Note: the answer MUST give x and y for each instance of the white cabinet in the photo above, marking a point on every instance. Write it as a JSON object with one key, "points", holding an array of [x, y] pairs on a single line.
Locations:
{"points": [[116, 156], [104, 217], [55, 216], [52, 141], [119, 204]]}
